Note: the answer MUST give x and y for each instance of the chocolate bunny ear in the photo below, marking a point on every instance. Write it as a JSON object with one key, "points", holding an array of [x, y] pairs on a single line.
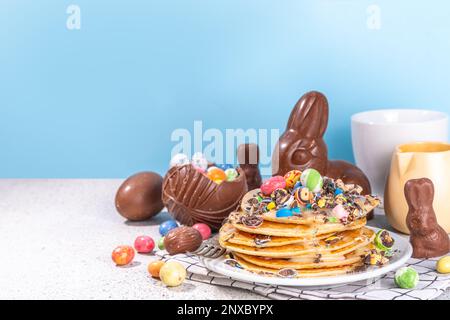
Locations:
{"points": [[248, 153], [419, 193], [310, 115]]}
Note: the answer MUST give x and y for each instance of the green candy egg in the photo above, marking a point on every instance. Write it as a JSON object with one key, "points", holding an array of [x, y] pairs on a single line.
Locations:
{"points": [[161, 243], [406, 278], [312, 179], [231, 174]]}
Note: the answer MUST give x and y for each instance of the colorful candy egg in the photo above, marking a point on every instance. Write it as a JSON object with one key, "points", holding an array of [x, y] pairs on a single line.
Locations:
{"points": [[231, 174], [284, 212], [144, 244], [199, 161], [312, 179], [161, 243], [296, 211], [443, 265], [217, 175], [406, 278], [273, 184], [204, 230], [166, 226], [154, 268], [122, 255], [179, 159], [292, 177], [339, 212], [172, 274]]}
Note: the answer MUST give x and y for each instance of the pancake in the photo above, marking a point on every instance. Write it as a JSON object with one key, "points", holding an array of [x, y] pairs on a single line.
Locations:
{"points": [[269, 228], [339, 245], [348, 259], [302, 273], [323, 233], [232, 235]]}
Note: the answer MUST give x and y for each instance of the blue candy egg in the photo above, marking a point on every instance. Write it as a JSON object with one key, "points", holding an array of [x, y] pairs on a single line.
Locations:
{"points": [[284, 212], [224, 166], [308, 206], [166, 226], [338, 192], [296, 210]]}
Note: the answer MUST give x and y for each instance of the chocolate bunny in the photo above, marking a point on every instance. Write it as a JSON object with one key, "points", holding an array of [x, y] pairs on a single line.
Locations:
{"points": [[302, 146], [248, 158], [427, 237]]}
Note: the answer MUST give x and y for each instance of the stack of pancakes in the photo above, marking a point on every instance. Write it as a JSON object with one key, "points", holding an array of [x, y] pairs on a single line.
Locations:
{"points": [[304, 245]]}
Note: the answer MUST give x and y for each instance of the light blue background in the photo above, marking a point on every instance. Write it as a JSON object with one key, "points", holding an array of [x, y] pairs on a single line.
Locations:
{"points": [[102, 101]]}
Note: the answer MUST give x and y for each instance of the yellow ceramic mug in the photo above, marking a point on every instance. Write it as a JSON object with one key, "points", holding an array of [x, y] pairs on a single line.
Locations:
{"points": [[412, 161]]}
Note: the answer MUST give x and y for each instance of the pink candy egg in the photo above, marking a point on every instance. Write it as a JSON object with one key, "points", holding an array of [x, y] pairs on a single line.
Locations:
{"points": [[144, 244], [339, 212], [204, 230], [273, 184]]}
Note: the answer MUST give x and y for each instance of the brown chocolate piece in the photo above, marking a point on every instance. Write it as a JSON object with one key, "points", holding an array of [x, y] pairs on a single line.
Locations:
{"points": [[302, 146], [248, 158], [427, 237], [191, 197], [139, 196], [182, 239]]}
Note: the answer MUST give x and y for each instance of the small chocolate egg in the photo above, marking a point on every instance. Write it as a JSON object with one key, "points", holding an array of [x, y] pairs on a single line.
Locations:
{"points": [[182, 239], [139, 196]]}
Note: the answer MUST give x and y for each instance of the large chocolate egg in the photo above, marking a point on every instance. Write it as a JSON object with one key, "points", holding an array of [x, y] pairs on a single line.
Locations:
{"points": [[191, 197], [139, 196]]}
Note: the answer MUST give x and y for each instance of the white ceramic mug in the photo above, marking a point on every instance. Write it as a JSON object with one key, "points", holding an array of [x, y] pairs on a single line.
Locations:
{"points": [[376, 134]]}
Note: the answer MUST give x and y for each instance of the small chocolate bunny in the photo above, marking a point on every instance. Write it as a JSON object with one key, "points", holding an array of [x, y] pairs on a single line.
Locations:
{"points": [[248, 158], [427, 237], [302, 146]]}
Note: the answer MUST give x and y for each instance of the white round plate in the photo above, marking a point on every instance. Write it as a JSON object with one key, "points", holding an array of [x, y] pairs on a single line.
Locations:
{"points": [[403, 253]]}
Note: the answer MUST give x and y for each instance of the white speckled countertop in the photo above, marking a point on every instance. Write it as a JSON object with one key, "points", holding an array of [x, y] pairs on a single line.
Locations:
{"points": [[56, 243]]}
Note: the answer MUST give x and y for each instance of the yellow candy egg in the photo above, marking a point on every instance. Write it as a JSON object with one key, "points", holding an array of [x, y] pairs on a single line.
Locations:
{"points": [[443, 265], [172, 274]]}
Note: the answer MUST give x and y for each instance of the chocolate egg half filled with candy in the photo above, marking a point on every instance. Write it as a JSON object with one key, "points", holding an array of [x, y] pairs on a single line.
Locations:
{"points": [[139, 196], [191, 197]]}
